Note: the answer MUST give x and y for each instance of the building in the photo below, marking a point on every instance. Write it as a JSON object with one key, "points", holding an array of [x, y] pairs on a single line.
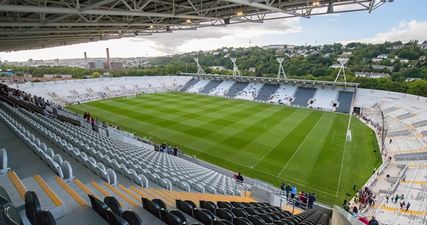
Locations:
{"points": [[97, 64], [116, 65], [403, 60], [423, 45], [409, 79], [276, 47], [220, 68], [58, 76], [346, 54], [335, 66], [381, 67], [372, 75], [7, 72], [380, 58], [91, 65]]}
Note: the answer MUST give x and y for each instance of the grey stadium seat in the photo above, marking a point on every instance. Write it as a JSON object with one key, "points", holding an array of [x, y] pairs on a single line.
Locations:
{"points": [[3, 161]]}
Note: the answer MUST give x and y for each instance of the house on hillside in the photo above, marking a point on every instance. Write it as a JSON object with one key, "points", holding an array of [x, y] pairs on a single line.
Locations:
{"points": [[401, 60], [335, 66], [347, 54], [220, 68], [409, 79], [7, 72], [372, 75], [276, 47], [423, 45], [381, 67], [380, 58]]}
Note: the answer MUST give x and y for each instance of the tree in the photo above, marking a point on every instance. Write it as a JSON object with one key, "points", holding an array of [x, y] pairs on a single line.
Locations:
{"points": [[96, 74], [417, 87]]}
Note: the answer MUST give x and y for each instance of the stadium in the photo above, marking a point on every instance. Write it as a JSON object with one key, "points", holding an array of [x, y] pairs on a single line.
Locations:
{"points": [[200, 148]]}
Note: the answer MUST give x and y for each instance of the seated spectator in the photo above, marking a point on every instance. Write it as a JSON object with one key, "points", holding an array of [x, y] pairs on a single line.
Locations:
{"points": [[239, 178]]}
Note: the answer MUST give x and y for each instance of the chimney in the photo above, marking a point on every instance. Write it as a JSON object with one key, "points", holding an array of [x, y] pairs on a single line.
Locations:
{"points": [[108, 60], [86, 64]]}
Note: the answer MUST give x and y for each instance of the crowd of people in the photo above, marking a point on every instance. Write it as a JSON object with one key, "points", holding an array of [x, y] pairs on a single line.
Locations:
{"points": [[96, 122], [303, 199], [164, 148], [398, 199], [252, 91], [23, 96], [365, 198], [91, 120], [355, 213]]}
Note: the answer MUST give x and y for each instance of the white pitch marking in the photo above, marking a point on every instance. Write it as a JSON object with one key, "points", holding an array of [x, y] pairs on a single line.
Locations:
{"points": [[299, 147], [342, 162]]}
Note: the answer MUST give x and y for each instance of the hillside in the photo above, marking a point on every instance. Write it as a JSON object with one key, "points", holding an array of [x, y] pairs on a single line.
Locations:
{"points": [[403, 66]]}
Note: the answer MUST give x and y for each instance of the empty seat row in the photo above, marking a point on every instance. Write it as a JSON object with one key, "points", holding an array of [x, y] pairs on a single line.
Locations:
{"points": [[171, 217], [254, 213], [54, 161], [138, 164], [9, 214], [111, 211]]}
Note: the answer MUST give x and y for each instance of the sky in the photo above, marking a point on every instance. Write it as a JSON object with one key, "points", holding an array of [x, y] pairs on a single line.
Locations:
{"points": [[402, 20]]}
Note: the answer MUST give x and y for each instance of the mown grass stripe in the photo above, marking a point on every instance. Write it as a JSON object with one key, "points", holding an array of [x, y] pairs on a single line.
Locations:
{"points": [[238, 134]]}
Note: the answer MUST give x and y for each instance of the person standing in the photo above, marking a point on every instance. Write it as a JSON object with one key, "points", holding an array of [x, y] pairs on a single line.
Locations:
{"points": [[355, 211], [347, 207], [396, 198], [373, 221], [293, 192], [311, 200], [282, 186], [407, 206], [175, 151], [288, 190]]}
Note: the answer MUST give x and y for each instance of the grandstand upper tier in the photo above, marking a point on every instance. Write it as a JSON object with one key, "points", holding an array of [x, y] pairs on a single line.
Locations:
{"points": [[29, 25]]}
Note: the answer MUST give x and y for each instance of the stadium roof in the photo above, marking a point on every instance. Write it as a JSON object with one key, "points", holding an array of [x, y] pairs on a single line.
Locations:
{"points": [[32, 24]]}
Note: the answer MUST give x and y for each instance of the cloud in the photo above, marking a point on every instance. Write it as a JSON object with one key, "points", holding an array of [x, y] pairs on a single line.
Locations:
{"points": [[214, 37], [405, 31]]}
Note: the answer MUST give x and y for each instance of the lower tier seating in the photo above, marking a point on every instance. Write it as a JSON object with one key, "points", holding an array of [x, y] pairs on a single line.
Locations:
{"points": [[9, 214]]}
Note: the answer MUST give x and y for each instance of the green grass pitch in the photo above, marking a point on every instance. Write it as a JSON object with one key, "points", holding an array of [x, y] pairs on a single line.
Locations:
{"points": [[303, 147]]}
